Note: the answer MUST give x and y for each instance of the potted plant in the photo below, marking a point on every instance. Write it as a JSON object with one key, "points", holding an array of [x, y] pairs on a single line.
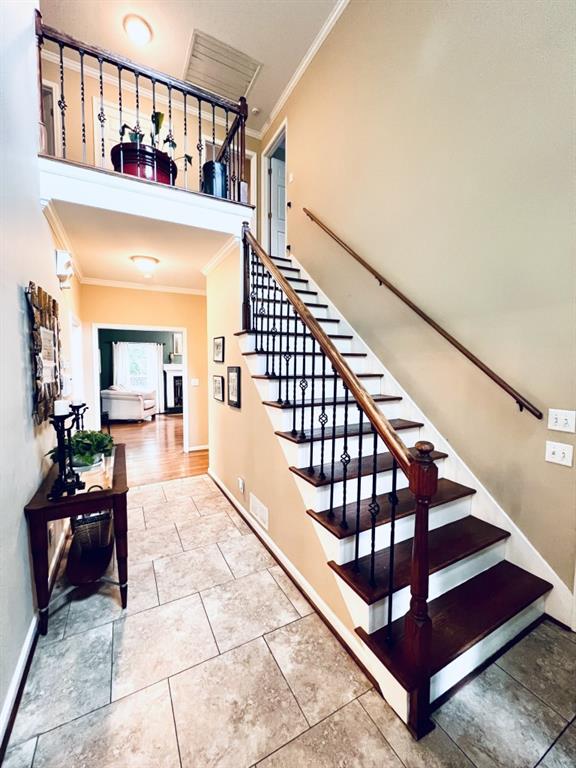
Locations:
{"points": [[88, 448], [147, 161]]}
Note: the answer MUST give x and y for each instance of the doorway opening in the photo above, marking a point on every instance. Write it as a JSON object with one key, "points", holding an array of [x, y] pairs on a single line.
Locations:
{"points": [[274, 225]]}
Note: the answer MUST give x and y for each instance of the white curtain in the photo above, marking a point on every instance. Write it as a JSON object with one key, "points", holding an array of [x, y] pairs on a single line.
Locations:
{"points": [[121, 364], [159, 366]]}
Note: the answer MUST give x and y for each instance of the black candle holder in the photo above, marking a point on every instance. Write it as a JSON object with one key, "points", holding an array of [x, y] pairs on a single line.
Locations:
{"points": [[79, 410], [67, 481]]}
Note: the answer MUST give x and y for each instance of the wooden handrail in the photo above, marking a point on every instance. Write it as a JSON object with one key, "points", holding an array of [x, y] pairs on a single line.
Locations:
{"points": [[380, 423], [522, 402]]}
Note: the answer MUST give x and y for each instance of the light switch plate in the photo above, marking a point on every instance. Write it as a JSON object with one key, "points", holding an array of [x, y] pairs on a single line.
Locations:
{"points": [[559, 453], [562, 421]]}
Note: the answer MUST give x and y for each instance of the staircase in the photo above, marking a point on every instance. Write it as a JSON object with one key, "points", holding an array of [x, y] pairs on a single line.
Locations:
{"points": [[406, 529]]}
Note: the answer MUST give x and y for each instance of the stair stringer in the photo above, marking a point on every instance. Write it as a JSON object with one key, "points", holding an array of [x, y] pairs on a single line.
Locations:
{"points": [[519, 550]]}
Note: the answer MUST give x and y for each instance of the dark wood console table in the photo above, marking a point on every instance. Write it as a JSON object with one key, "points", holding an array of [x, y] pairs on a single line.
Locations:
{"points": [[111, 478]]}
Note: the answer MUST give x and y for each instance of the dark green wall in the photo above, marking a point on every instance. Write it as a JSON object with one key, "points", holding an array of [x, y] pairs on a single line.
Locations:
{"points": [[108, 335]]}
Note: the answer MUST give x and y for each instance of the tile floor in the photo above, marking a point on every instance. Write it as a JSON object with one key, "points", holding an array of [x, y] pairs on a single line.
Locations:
{"points": [[220, 662]]}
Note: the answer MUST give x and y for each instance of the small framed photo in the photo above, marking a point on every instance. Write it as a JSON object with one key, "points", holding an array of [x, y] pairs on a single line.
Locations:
{"points": [[234, 386], [218, 388], [178, 343], [218, 349]]}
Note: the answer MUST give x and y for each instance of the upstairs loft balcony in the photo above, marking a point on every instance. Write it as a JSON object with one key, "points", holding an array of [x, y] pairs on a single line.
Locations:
{"points": [[101, 111]]}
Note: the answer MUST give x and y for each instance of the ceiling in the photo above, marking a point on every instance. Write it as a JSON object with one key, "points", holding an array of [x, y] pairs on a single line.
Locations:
{"points": [[277, 33], [102, 242]]}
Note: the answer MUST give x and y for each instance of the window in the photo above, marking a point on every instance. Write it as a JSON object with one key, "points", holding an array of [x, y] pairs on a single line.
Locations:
{"points": [[141, 367]]}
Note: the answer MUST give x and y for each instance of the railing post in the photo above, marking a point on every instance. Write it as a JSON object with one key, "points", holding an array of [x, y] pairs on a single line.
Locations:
{"points": [[423, 482], [246, 314], [243, 185], [42, 140]]}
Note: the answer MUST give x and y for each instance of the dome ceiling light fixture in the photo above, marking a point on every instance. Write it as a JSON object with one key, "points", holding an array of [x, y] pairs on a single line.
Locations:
{"points": [[137, 29], [145, 264]]}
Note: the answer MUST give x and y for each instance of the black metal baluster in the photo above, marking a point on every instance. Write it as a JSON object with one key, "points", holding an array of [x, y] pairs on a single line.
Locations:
{"points": [[170, 137], [303, 383], [186, 144], [213, 133], [227, 156], [157, 136], [262, 310], [101, 113], [295, 358], [268, 319], [374, 508], [62, 102], [137, 126], [333, 457], [312, 395], [287, 355], [199, 145], [253, 298], [345, 459], [121, 118], [393, 499], [323, 418], [359, 488], [274, 332], [82, 106]]}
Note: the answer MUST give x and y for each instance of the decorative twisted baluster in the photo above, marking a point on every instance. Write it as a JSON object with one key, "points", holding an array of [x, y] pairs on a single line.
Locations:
{"points": [[323, 419], [312, 397], [359, 486], [303, 385], [374, 508], [121, 124], [333, 455], [82, 106], [393, 500], [200, 146], [345, 460], [62, 102]]}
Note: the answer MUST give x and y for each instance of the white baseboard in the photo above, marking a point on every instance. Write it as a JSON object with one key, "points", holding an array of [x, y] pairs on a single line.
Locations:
{"points": [[193, 448], [392, 691]]}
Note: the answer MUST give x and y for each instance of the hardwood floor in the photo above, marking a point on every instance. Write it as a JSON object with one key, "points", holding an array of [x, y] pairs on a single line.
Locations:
{"points": [[154, 450]]}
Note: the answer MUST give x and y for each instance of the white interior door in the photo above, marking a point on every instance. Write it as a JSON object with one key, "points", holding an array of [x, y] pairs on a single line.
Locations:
{"points": [[277, 207]]}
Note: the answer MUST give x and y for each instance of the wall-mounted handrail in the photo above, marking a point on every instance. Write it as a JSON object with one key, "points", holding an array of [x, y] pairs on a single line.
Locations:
{"points": [[522, 402], [380, 423]]}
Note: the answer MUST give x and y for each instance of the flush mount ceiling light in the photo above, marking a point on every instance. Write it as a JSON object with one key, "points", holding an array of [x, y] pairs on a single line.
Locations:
{"points": [[138, 30], [146, 264]]}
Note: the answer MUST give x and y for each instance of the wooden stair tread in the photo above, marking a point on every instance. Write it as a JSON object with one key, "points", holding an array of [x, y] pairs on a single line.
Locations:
{"points": [[329, 402], [284, 301], [309, 376], [384, 463], [283, 334], [447, 492], [353, 431], [460, 618], [318, 319], [446, 546], [263, 271], [301, 354]]}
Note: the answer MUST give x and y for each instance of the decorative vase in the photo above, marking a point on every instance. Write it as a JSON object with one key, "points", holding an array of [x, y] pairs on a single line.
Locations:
{"points": [[144, 161]]}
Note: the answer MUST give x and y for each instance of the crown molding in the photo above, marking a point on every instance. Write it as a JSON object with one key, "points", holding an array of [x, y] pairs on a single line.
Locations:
{"points": [[92, 72], [220, 255], [59, 234], [337, 11], [141, 287]]}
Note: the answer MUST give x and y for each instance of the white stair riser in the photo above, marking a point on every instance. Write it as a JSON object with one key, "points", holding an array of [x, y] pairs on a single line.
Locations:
{"points": [[345, 551], [468, 661], [319, 497], [248, 344], [375, 616], [298, 455], [282, 418], [277, 365], [269, 388], [262, 322]]}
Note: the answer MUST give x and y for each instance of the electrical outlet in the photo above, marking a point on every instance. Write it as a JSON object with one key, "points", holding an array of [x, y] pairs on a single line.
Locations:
{"points": [[561, 421], [241, 484], [259, 511], [559, 453]]}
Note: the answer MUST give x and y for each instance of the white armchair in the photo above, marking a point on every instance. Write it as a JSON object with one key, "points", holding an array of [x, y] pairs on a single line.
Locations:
{"points": [[123, 405]]}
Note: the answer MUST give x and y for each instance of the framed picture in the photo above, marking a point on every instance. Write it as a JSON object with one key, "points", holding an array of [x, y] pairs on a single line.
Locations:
{"points": [[218, 349], [234, 386], [178, 343], [218, 388], [45, 352]]}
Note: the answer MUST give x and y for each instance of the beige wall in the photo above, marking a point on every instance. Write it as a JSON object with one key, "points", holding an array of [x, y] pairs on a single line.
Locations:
{"points": [[27, 253], [126, 306], [437, 138], [243, 444]]}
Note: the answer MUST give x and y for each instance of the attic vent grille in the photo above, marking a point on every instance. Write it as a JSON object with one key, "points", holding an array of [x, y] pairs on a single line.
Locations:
{"points": [[219, 68]]}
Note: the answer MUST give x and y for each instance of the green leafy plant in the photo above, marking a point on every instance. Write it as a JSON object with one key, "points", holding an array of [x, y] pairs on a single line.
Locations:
{"points": [[86, 445]]}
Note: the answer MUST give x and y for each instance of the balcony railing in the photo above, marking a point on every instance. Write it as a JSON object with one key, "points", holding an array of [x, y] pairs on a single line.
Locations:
{"points": [[107, 112]]}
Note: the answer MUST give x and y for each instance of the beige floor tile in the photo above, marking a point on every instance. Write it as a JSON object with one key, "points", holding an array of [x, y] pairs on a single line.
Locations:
{"points": [[67, 679], [208, 530], [246, 555], [185, 486], [563, 753], [239, 521], [57, 621], [137, 732], [188, 572], [545, 662], [346, 739], [291, 591], [135, 519], [246, 710], [497, 723], [158, 643], [320, 672], [436, 750], [101, 603], [179, 510], [21, 755], [246, 608], [145, 494], [145, 546], [212, 505]]}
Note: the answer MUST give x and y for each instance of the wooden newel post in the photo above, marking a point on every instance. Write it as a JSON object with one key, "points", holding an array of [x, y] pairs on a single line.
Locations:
{"points": [[423, 482], [246, 281]]}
